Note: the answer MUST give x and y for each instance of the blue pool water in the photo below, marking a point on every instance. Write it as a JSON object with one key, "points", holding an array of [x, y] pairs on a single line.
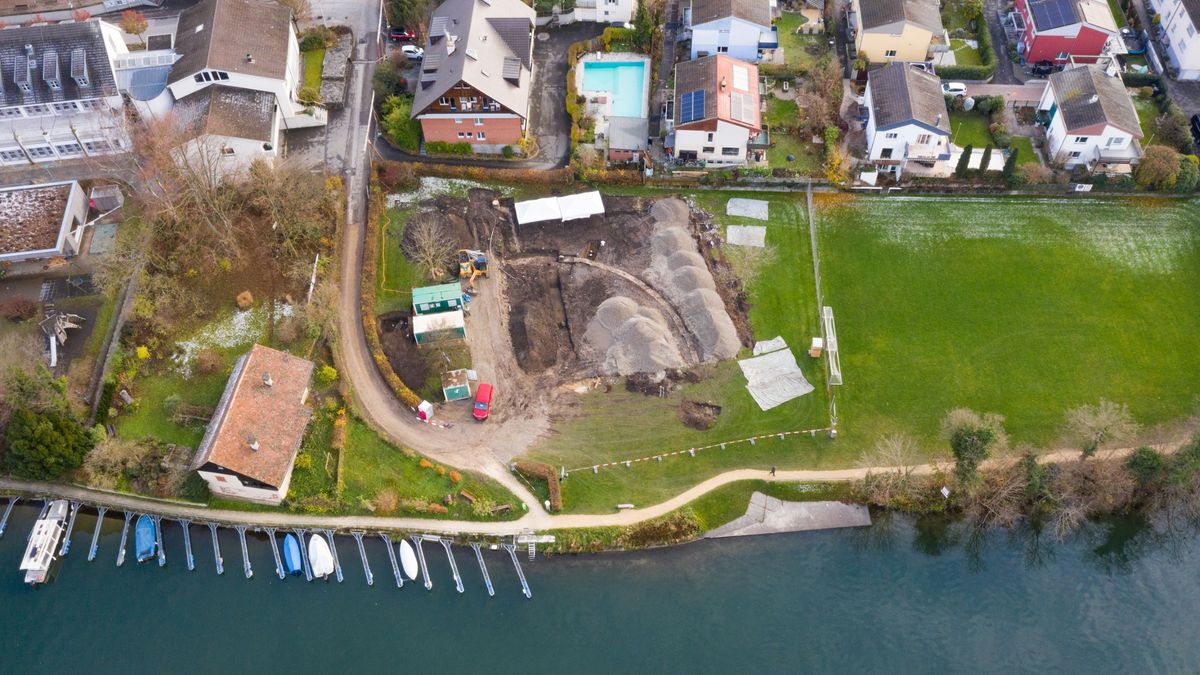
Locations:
{"points": [[625, 80]]}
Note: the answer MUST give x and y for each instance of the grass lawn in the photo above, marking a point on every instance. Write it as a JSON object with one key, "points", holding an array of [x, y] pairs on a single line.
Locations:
{"points": [[783, 303], [969, 128], [954, 18], [1024, 307], [796, 46], [1025, 145], [313, 64], [1115, 8], [965, 54], [397, 276], [808, 157], [1148, 114], [149, 417], [782, 113]]}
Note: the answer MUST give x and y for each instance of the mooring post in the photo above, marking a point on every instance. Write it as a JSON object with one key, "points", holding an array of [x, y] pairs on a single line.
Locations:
{"points": [[162, 554], [512, 553], [362, 553], [421, 558], [458, 584], [387, 541], [187, 544], [337, 565], [124, 536], [212, 528], [100, 511], [487, 578], [275, 550], [66, 544], [241, 530], [303, 554]]}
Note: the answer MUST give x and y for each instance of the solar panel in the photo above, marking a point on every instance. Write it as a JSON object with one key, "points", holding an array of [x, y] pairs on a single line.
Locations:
{"points": [[1053, 14], [741, 107], [691, 106]]}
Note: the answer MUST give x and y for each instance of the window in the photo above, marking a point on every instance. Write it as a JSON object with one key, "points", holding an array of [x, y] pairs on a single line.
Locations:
{"points": [[478, 121], [207, 76], [1191, 30], [11, 155], [1115, 142], [708, 149], [443, 101], [722, 50], [1080, 140], [458, 120], [97, 146], [470, 135], [1076, 153], [41, 151], [198, 77], [710, 138], [890, 135], [924, 139], [461, 135], [35, 110], [481, 135], [730, 152], [68, 148], [886, 153], [889, 54], [220, 478], [1062, 56], [10, 112], [65, 107], [227, 150]]}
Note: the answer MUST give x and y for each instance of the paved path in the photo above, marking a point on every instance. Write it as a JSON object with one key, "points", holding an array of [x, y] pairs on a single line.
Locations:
{"points": [[1029, 93]]}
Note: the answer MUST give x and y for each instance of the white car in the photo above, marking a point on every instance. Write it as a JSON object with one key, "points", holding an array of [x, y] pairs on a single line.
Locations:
{"points": [[413, 52], [954, 89]]}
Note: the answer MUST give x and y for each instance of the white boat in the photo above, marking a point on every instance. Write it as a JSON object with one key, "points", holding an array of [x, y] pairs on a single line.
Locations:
{"points": [[408, 560], [320, 559], [43, 542]]}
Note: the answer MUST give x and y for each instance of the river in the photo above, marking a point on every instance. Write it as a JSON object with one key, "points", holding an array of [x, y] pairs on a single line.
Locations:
{"points": [[894, 597]]}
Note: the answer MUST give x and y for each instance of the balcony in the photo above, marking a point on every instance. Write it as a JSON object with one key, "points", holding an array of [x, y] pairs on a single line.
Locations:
{"points": [[769, 39], [761, 140], [477, 107], [928, 152]]}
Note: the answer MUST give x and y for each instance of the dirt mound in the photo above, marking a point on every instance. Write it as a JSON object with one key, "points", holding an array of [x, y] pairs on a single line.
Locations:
{"points": [[401, 351], [698, 415], [690, 278], [704, 313], [632, 338], [670, 211], [670, 239]]}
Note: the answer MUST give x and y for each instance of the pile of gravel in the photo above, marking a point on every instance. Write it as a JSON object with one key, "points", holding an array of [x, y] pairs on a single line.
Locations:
{"points": [[633, 338]]}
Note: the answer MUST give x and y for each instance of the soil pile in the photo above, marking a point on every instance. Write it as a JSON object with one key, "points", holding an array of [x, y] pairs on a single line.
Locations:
{"points": [[698, 415], [633, 338]]}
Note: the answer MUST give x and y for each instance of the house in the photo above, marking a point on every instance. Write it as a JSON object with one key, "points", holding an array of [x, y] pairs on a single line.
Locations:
{"points": [[41, 221], [252, 439], [1178, 28], [717, 117], [1057, 30], [628, 138], [895, 30], [58, 96], [237, 89], [907, 120], [740, 28], [475, 77], [605, 11], [1090, 120]]}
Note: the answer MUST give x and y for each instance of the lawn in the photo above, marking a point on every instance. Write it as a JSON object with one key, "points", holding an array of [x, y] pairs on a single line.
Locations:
{"points": [[1148, 114], [1025, 145], [783, 302], [782, 113], [965, 54], [1115, 7], [397, 276], [314, 60], [808, 157], [150, 418], [1025, 307], [796, 52], [955, 19], [969, 128]]}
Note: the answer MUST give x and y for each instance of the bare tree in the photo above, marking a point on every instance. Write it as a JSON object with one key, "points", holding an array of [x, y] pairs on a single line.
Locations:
{"points": [[427, 245], [1100, 426], [890, 469], [301, 9], [965, 418]]}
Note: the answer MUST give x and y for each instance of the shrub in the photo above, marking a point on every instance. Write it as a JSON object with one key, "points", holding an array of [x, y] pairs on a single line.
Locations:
{"points": [[1146, 465], [1036, 174], [1159, 168], [455, 476], [142, 352], [44, 445], [386, 501], [1189, 174], [310, 95], [1145, 93], [327, 375], [414, 504], [964, 162], [986, 161], [425, 463], [245, 300], [444, 148], [1135, 80], [18, 309], [209, 361], [997, 128], [441, 470], [398, 125], [304, 461], [507, 152], [989, 105], [1002, 140], [436, 508], [546, 473], [1011, 177]]}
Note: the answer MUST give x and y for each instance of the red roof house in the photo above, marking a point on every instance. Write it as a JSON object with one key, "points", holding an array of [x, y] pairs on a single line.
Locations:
{"points": [[1056, 30]]}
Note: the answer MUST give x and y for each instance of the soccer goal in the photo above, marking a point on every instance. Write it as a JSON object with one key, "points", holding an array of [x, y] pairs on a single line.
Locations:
{"points": [[831, 345]]}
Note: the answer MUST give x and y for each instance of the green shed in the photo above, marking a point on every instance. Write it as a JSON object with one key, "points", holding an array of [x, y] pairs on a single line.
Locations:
{"points": [[435, 299], [455, 385]]}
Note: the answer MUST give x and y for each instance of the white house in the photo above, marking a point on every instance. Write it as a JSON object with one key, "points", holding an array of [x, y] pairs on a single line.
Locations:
{"points": [[1180, 23], [251, 443], [605, 11], [907, 120], [58, 95], [717, 117], [41, 221], [740, 28], [1090, 121]]}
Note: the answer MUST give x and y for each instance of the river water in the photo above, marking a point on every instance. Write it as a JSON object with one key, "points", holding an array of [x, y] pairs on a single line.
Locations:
{"points": [[895, 597]]}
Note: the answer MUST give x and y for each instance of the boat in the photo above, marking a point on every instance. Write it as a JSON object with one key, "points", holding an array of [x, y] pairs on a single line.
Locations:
{"points": [[291, 555], [43, 541], [145, 540], [408, 560], [319, 557]]}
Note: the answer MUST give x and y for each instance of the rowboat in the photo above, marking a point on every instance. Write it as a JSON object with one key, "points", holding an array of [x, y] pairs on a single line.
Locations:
{"points": [[408, 560], [144, 539], [319, 557], [291, 555]]}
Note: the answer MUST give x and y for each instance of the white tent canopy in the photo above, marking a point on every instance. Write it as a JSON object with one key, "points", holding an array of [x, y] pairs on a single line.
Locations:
{"points": [[430, 323], [571, 207]]}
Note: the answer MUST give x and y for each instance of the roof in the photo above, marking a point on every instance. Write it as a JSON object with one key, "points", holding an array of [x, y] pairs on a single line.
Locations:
{"points": [[1051, 14], [220, 110], [214, 35], [250, 411], [74, 47], [717, 87], [432, 323], [486, 43], [878, 14], [754, 11], [901, 94], [1192, 7], [1086, 97], [628, 133], [31, 217], [439, 293]]}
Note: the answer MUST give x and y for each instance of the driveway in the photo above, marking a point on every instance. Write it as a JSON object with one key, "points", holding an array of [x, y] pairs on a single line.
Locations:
{"points": [[1005, 70], [548, 117], [1027, 94]]}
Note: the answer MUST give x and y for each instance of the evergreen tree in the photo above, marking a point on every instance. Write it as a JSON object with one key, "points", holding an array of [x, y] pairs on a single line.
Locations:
{"points": [[964, 162], [45, 445], [1011, 177]]}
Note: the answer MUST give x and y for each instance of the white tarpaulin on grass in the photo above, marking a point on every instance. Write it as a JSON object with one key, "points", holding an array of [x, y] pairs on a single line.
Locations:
{"points": [[774, 378], [773, 345], [747, 208], [582, 205], [537, 210], [746, 235]]}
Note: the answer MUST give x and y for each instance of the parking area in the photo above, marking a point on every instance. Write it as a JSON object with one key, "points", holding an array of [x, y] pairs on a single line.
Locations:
{"points": [[550, 124]]}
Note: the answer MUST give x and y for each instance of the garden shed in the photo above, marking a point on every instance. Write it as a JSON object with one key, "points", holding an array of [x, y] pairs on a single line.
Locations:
{"points": [[456, 386], [428, 328], [435, 299]]}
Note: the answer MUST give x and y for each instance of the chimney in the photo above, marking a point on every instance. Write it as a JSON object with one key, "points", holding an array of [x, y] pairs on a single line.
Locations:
{"points": [[938, 121], [267, 381], [253, 443], [29, 52]]}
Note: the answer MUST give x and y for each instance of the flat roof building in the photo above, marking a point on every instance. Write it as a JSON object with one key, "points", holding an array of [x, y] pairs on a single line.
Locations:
{"points": [[41, 221]]}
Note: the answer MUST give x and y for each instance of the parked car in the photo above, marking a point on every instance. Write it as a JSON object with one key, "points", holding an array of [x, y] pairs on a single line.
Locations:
{"points": [[413, 52], [1196, 128], [1041, 68], [483, 402], [396, 34], [954, 88]]}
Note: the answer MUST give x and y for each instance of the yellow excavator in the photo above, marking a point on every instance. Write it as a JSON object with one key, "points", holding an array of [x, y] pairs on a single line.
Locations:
{"points": [[471, 265]]}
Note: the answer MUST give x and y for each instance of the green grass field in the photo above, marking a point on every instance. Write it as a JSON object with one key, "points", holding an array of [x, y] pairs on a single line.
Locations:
{"points": [[969, 128], [314, 60], [1026, 154], [1024, 307], [807, 157], [1148, 112], [397, 276], [965, 54], [796, 46]]}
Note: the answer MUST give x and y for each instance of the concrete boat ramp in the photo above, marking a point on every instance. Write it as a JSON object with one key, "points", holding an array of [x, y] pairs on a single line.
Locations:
{"points": [[768, 515]]}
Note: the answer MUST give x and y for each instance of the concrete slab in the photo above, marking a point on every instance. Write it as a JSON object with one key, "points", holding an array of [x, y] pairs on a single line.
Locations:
{"points": [[746, 235], [747, 208], [768, 515]]}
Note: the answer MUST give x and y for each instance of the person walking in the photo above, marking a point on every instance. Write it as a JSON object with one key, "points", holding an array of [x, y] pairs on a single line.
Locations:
{"points": [[772, 471]]}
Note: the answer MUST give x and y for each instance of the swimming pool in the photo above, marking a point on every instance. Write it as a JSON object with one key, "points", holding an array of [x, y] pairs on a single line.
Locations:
{"points": [[624, 80]]}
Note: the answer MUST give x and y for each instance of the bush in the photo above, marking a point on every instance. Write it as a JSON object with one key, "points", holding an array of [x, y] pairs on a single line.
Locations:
{"points": [[245, 300], [989, 105], [1146, 465], [507, 152], [18, 309], [1011, 177], [1138, 80], [986, 161], [304, 461], [436, 508], [1159, 169], [45, 445], [964, 162], [455, 477], [997, 128], [1036, 174], [546, 473], [398, 125], [1145, 93], [987, 60], [1002, 140], [310, 95], [327, 375], [1189, 174], [444, 148], [425, 463]]}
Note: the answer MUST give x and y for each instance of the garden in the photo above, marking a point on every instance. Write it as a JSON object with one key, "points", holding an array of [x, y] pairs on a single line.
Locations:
{"points": [[966, 24]]}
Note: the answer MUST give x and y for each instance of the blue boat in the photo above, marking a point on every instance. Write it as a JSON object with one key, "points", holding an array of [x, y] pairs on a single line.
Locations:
{"points": [[144, 539], [291, 555]]}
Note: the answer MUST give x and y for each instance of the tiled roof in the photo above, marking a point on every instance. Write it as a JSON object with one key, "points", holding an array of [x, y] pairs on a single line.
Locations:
{"points": [[1086, 97], [250, 411], [882, 13], [229, 111], [754, 11], [902, 94], [728, 90], [72, 44], [249, 37]]}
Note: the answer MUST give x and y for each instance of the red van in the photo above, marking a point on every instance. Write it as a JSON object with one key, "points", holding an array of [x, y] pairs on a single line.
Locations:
{"points": [[483, 402]]}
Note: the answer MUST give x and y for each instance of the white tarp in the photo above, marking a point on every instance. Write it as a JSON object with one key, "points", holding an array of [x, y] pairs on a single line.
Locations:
{"points": [[537, 210], [773, 345], [748, 208], [582, 205], [430, 323], [774, 378], [746, 235]]}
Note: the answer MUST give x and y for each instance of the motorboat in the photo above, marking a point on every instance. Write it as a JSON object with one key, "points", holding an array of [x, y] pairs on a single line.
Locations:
{"points": [[320, 559], [291, 555], [43, 541], [408, 560], [145, 538]]}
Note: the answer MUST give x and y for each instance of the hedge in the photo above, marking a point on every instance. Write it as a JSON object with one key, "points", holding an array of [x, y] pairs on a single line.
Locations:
{"points": [[462, 149], [546, 473], [987, 59], [1136, 80], [402, 170]]}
